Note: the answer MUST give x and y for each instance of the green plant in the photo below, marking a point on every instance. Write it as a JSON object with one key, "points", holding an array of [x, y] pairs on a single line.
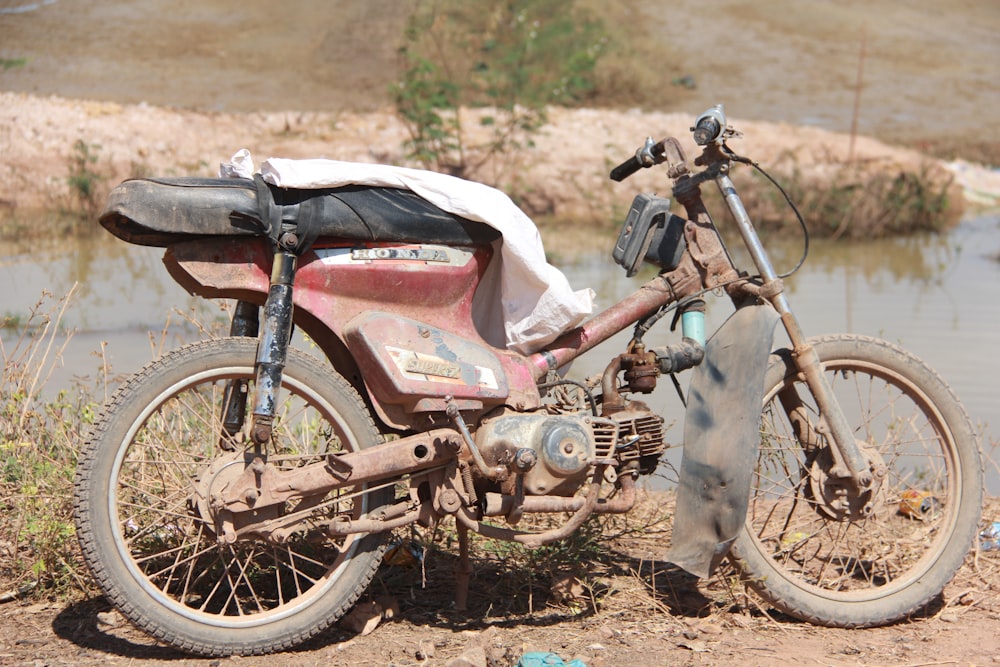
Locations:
{"points": [[509, 59], [11, 321], [84, 179]]}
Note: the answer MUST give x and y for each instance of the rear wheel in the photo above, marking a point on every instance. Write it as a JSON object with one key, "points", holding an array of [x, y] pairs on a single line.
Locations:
{"points": [[816, 548], [144, 510]]}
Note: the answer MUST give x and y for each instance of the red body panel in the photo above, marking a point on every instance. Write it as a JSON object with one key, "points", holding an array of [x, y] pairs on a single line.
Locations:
{"points": [[396, 311]]}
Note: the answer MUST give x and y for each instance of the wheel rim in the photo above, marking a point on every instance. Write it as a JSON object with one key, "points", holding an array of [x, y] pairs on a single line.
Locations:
{"points": [[814, 535], [171, 550]]}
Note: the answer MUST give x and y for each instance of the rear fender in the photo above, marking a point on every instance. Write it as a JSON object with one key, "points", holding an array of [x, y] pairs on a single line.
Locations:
{"points": [[721, 435]]}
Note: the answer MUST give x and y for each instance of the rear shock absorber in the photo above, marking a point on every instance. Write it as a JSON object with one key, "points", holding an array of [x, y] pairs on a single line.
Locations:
{"points": [[272, 347]]}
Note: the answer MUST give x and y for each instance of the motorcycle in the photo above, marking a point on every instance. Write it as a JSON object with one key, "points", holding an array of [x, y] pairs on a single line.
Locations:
{"points": [[236, 496]]}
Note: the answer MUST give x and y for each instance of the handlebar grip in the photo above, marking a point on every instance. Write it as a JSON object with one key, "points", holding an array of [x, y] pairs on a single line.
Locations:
{"points": [[626, 169]]}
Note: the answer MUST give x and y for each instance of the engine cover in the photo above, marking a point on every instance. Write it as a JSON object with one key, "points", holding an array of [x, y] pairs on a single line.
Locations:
{"points": [[566, 446]]}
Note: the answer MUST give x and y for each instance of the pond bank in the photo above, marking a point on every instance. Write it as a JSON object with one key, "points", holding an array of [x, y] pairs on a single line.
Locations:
{"points": [[563, 175]]}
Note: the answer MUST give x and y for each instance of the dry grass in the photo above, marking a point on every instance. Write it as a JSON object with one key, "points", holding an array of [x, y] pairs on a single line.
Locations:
{"points": [[40, 434], [854, 200], [619, 575]]}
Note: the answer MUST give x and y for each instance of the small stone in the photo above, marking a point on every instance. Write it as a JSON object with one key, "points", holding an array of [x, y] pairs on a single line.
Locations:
{"points": [[390, 606], [709, 629], [425, 651], [566, 587], [110, 619], [363, 619], [696, 645], [472, 657]]}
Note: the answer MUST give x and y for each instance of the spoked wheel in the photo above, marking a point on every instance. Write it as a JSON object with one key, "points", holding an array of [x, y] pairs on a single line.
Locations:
{"points": [[149, 523], [817, 548]]}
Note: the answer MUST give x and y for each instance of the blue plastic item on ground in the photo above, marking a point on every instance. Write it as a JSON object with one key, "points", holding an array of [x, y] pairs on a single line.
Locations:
{"points": [[540, 659], [989, 539]]}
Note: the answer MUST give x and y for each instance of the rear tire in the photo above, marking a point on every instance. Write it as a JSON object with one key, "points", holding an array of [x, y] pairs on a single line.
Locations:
{"points": [[142, 525], [816, 550]]}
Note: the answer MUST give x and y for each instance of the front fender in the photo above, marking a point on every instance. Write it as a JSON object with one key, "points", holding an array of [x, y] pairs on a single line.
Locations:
{"points": [[721, 434]]}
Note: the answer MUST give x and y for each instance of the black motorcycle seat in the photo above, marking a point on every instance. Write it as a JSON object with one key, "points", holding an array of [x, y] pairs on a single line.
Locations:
{"points": [[163, 211]]}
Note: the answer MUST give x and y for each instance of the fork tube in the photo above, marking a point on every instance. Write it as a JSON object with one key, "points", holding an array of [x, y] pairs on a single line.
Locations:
{"points": [[846, 450], [272, 346]]}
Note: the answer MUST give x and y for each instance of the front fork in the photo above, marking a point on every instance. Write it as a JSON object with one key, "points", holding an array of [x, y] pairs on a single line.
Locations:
{"points": [[849, 461]]}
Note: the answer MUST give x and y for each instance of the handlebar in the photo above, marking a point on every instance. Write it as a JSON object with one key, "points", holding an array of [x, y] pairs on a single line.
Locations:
{"points": [[709, 128], [649, 154], [625, 169]]}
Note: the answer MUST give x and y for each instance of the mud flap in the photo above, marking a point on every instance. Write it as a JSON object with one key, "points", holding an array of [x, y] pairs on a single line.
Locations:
{"points": [[721, 435]]}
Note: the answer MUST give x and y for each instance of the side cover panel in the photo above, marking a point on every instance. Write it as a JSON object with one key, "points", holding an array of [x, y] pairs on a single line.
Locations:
{"points": [[721, 435], [416, 365]]}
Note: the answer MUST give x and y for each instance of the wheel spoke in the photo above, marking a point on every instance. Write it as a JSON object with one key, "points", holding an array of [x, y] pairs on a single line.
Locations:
{"points": [[824, 545], [200, 557]]}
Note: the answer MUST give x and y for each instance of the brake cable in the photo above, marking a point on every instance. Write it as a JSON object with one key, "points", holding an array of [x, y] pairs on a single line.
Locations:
{"points": [[802, 223]]}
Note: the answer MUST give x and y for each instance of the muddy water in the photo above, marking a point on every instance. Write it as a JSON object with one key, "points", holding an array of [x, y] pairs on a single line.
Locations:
{"points": [[935, 295]]}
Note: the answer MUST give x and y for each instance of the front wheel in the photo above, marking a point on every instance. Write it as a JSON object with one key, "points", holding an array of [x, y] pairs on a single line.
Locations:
{"points": [[815, 547], [158, 455]]}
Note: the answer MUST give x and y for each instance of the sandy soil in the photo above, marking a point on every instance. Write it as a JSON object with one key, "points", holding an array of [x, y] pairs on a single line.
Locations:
{"points": [[929, 71], [182, 97]]}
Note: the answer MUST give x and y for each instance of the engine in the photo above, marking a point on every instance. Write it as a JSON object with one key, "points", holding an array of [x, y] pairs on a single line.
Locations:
{"points": [[556, 453]]}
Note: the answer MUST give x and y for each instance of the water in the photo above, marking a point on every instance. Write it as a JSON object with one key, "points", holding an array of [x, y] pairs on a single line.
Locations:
{"points": [[934, 295], [122, 296]]}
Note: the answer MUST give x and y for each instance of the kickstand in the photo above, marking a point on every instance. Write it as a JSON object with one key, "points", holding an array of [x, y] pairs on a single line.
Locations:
{"points": [[464, 569]]}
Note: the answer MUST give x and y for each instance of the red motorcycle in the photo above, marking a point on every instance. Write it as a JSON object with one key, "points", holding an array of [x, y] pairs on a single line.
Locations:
{"points": [[237, 495]]}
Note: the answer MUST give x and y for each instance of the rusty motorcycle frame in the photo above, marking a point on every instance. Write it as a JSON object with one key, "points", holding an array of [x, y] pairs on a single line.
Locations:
{"points": [[236, 495]]}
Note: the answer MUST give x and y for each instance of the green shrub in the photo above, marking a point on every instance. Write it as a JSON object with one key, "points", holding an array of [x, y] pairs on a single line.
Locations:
{"points": [[513, 57], [853, 201], [85, 180]]}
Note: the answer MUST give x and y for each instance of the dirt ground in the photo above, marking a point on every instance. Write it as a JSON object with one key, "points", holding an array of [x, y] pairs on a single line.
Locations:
{"points": [[167, 87], [634, 610]]}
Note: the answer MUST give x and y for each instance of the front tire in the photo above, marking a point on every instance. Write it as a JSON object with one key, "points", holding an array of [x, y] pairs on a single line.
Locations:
{"points": [[818, 550], [141, 510]]}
